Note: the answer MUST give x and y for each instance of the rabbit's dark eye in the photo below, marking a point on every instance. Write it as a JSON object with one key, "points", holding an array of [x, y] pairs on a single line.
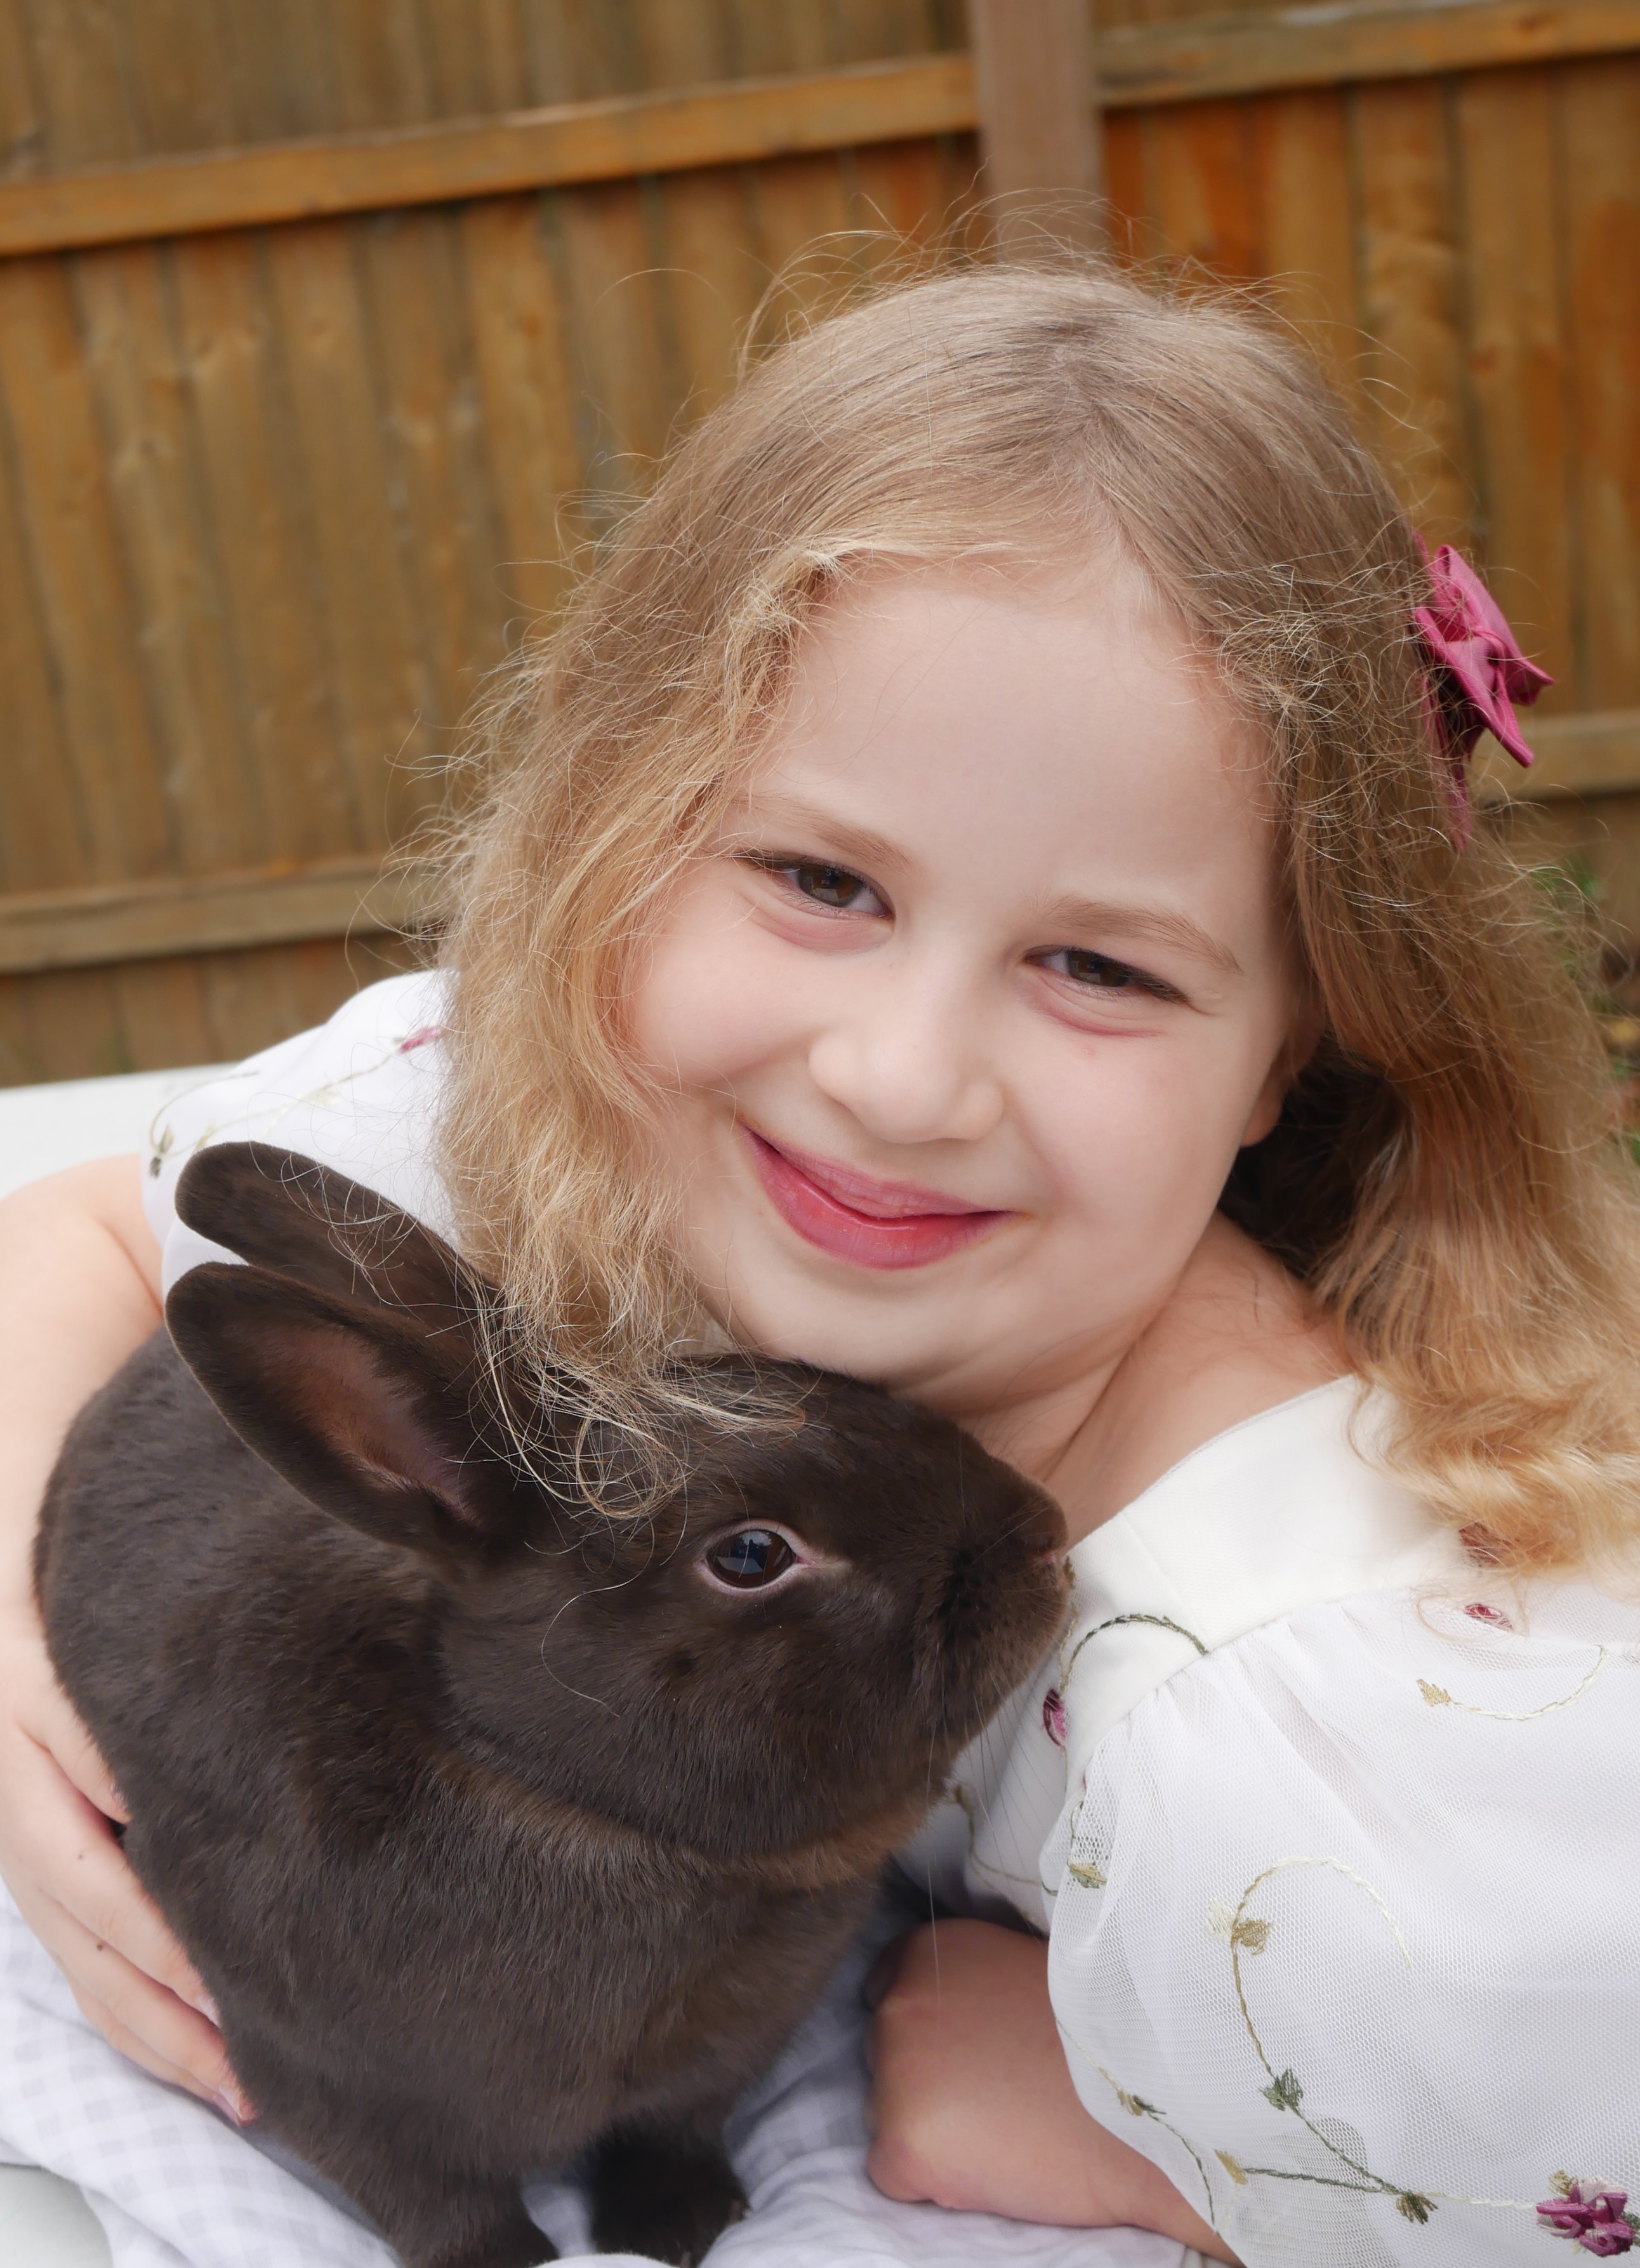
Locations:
{"points": [[751, 1556]]}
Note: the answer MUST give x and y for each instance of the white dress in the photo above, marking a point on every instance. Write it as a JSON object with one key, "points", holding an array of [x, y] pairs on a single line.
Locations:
{"points": [[1337, 1840]]}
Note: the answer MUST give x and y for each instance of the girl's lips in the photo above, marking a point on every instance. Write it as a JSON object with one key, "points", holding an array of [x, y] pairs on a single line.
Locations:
{"points": [[854, 1217]]}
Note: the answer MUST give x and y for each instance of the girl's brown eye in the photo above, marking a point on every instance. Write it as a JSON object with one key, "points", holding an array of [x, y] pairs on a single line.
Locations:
{"points": [[1094, 968], [832, 885], [1098, 972], [750, 1557]]}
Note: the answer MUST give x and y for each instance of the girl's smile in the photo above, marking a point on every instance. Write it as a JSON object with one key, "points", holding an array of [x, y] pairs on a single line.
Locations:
{"points": [[958, 1029], [860, 1218]]}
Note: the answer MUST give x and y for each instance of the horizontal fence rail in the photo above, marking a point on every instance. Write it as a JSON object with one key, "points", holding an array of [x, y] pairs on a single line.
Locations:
{"points": [[747, 121], [176, 914]]}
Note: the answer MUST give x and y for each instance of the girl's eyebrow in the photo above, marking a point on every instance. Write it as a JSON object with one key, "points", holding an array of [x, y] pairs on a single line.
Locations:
{"points": [[858, 843]]}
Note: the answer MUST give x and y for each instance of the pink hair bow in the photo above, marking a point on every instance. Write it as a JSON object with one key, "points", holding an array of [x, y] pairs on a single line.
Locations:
{"points": [[1477, 670]]}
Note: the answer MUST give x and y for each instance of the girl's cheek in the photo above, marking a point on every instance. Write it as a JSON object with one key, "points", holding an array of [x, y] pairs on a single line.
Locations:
{"points": [[1147, 1129], [707, 1003]]}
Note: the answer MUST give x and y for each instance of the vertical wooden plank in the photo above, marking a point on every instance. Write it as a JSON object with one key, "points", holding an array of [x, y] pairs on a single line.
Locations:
{"points": [[43, 838], [1129, 222], [262, 548], [776, 35], [1599, 165], [1411, 289], [800, 212], [1204, 206], [381, 692], [614, 316], [249, 1000], [22, 120], [215, 814], [899, 186], [446, 524], [281, 69], [326, 972], [177, 73], [1300, 156], [527, 390], [684, 46], [715, 277], [867, 29], [64, 1024], [79, 572], [1517, 358], [82, 78], [381, 71], [475, 54], [1039, 129], [574, 52], [159, 1013]]}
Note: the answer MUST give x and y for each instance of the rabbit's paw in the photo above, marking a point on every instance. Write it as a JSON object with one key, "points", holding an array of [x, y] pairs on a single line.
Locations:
{"points": [[667, 2199], [487, 2230]]}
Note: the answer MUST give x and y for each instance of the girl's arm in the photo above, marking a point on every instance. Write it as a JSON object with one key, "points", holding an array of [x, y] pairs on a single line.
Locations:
{"points": [[79, 1291], [974, 2107]]}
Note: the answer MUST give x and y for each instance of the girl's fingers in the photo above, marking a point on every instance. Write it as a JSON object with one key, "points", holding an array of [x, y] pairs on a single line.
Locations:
{"points": [[68, 1858], [58, 1730], [171, 2039], [95, 1889], [140, 2052]]}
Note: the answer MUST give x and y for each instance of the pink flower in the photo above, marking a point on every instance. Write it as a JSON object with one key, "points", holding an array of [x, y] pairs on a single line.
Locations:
{"points": [[420, 1038], [1594, 2219], [1053, 1717], [1477, 670], [1479, 1611]]}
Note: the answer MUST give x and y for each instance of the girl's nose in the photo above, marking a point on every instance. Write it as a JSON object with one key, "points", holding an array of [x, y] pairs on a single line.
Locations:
{"points": [[910, 1068]]}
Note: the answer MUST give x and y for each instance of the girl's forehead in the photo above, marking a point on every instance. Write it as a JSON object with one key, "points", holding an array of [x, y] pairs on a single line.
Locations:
{"points": [[1061, 723]]}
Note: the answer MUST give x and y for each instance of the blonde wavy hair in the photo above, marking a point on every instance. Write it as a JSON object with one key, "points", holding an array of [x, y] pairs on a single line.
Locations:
{"points": [[1443, 1177]]}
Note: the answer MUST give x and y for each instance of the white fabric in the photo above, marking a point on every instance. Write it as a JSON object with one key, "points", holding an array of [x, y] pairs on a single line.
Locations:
{"points": [[174, 2186], [1337, 1845], [358, 1094], [1361, 1969]]}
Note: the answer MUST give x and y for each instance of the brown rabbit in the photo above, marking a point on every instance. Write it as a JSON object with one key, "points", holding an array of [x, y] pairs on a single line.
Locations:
{"points": [[507, 1834]]}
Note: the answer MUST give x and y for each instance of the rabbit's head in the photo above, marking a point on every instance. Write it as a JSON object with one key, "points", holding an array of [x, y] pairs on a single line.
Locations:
{"points": [[794, 1641]]}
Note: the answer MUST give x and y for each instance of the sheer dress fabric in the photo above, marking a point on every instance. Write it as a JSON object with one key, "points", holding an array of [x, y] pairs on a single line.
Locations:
{"points": [[1336, 1841]]}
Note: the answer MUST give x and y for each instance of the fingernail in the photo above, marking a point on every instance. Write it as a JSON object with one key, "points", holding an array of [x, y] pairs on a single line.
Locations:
{"points": [[231, 2108], [207, 2008]]}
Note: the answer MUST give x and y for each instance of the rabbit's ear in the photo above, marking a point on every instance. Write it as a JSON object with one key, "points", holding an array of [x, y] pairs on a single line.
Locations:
{"points": [[371, 1417], [285, 1212]]}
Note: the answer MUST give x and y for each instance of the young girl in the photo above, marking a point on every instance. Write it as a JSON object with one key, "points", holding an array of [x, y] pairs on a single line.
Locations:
{"points": [[979, 895]]}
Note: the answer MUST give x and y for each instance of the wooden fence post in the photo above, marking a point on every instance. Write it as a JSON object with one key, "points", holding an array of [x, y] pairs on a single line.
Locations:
{"points": [[1040, 132]]}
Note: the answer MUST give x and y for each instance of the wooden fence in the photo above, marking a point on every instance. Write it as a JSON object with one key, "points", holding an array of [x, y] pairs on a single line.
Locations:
{"points": [[327, 331]]}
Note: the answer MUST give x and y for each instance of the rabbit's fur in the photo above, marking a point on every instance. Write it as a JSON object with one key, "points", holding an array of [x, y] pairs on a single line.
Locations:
{"points": [[504, 1832]]}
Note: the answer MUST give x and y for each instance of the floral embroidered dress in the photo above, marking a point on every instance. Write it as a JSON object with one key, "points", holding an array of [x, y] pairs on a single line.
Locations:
{"points": [[1336, 1842]]}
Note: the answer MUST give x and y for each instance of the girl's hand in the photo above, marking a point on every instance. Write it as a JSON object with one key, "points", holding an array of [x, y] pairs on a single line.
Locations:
{"points": [[975, 2108], [73, 1888], [79, 1291]]}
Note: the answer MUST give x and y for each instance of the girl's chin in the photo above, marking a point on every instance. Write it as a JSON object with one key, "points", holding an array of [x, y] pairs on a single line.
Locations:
{"points": [[899, 1330]]}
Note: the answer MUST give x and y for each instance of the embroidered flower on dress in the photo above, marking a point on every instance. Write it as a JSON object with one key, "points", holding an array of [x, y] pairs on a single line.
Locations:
{"points": [[1479, 1611], [1591, 2218], [420, 1037], [1053, 1717]]}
